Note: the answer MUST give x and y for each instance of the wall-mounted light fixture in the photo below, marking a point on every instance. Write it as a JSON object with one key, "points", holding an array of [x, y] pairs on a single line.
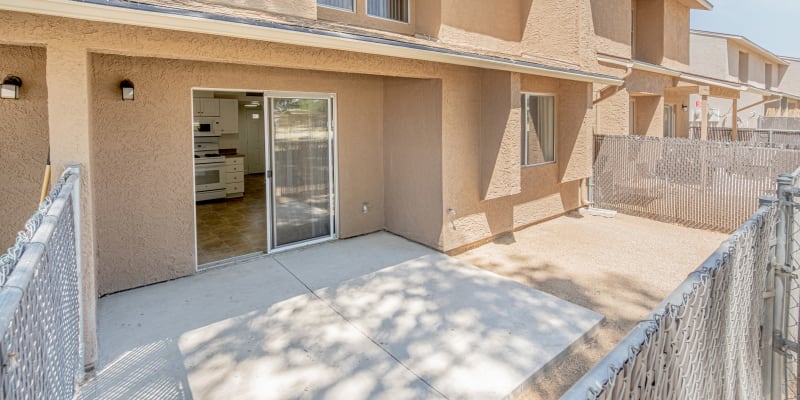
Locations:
{"points": [[684, 107], [10, 88], [127, 89]]}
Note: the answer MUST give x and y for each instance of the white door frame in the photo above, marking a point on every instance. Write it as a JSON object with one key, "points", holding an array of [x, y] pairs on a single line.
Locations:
{"points": [[333, 177]]}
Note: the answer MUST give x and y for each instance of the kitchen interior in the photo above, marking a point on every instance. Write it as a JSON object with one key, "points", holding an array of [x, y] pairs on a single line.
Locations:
{"points": [[230, 182]]}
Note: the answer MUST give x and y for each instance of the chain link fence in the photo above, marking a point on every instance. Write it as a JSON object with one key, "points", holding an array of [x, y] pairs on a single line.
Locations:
{"points": [[700, 184], [778, 138], [730, 330], [40, 307], [787, 123]]}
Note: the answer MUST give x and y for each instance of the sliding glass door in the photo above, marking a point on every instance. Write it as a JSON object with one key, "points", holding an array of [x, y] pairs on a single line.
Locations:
{"points": [[302, 202]]}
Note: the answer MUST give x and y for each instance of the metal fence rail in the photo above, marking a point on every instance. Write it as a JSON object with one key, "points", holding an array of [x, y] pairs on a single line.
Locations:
{"points": [[779, 138], [700, 184], [40, 308], [729, 331], [788, 123]]}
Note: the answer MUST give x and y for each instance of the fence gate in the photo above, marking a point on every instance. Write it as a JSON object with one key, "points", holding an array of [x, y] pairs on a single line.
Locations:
{"points": [[785, 362]]}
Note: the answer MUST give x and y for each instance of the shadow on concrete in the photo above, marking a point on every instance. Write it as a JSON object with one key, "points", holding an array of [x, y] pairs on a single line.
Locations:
{"points": [[403, 322]]}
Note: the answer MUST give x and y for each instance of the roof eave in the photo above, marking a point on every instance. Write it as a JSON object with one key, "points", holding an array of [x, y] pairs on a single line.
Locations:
{"points": [[114, 11]]}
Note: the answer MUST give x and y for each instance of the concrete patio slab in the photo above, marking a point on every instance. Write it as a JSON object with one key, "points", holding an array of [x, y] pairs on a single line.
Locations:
{"points": [[397, 321]]}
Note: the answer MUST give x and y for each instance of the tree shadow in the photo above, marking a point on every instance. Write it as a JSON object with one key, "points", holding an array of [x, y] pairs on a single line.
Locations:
{"points": [[418, 325]]}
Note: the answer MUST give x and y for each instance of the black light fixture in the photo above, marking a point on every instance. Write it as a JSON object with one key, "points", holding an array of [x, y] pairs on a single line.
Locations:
{"points": [[127, 89], [10, 88], [684, 107]]}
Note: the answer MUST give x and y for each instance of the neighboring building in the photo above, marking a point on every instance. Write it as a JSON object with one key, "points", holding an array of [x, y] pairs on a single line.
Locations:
{"points": [[762, 78], [789, 83], [446, 122], [646, 43]]}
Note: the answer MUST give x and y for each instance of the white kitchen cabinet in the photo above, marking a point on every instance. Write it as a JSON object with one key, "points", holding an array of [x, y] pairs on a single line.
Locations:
{"points": [[206, 107], [234, 176], [229, 116]]}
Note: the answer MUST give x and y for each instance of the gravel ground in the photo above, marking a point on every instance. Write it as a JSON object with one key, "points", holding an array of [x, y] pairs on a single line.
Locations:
{"points": [[620, 267]]}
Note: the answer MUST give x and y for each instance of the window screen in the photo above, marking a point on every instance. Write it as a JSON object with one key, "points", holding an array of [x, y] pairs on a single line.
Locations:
{"points": [[538, 129], [340, 4], [390, 9]]}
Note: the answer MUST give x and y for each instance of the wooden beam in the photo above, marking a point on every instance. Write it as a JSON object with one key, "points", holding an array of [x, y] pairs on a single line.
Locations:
{"points": [[606, 93], [766, 100], [735, 121], [682, 90], [723, 93], [704, 117]]}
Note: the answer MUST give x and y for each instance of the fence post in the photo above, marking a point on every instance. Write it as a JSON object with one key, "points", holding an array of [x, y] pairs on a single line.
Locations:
{"points": [[781, 283], [769, 311], [75, 168], [769, 137]]}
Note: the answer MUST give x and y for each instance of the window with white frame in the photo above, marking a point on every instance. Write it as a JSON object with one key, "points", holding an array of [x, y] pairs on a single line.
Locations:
{"points": [[538, 129], [347, 5], [397, 10]]}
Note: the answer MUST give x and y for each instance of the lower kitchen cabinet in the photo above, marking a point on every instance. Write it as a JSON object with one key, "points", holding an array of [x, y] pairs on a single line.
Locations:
{"points": [[234, 176]]}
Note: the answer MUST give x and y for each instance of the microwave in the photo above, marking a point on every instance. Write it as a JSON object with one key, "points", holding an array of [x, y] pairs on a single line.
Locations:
{"points": [[206, 126]]}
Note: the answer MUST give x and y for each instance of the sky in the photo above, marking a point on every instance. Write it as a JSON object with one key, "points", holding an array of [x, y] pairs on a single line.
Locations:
{"points": [[772, 24]]}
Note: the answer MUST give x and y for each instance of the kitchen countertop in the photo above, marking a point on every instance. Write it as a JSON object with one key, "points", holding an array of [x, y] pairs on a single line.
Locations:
{"points": [[230, 153]]}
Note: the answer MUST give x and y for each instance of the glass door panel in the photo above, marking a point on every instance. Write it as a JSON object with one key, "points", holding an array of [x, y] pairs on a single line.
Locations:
{"points": [[302, 172]]}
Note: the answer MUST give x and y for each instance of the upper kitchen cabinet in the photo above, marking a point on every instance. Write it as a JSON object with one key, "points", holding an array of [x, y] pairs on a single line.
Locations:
{"points": [[206, 108], [229, 115]]}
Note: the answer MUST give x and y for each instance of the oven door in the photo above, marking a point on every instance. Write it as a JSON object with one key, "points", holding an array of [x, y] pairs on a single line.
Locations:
{"points": [[209, 176]]}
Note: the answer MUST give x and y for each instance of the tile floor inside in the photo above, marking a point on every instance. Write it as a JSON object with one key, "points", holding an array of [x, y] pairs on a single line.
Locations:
{"points": [[228, 228]]}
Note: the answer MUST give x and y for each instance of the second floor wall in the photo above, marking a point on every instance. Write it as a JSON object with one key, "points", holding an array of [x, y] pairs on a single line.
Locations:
{"points": [[653, 31], [736, 59], [567, 33]]}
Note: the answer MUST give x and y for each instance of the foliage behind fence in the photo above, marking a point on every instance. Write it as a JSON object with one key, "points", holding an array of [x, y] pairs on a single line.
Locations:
{"points": [[701, 184]]}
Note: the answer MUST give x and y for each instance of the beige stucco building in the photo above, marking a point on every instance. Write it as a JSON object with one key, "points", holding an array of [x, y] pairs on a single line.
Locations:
{"points": [[444, 122], [768, 83], [646, 43]]}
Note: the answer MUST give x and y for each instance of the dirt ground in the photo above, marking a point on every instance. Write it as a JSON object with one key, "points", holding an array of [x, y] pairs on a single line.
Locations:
{"points": [[620, 267]]}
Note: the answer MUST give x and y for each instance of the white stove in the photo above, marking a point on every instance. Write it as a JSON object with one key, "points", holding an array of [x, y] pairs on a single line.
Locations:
{"points": [[209, 169]]}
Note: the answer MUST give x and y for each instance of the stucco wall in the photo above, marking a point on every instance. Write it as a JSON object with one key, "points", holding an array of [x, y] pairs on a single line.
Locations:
{"points": [[649, 114], [676, 35], [649, 31], [611, 21], [709, 56], [612, 114], [144, 168], [790, 77], [133, 249], [412, 158], [23, 139], [482, 24], [428, 15], [501, 129], [556, 29], [545, 190]]}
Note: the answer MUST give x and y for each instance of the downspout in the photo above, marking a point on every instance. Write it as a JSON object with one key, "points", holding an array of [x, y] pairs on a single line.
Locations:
{"points": [[592, 210], [590, 185]]}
